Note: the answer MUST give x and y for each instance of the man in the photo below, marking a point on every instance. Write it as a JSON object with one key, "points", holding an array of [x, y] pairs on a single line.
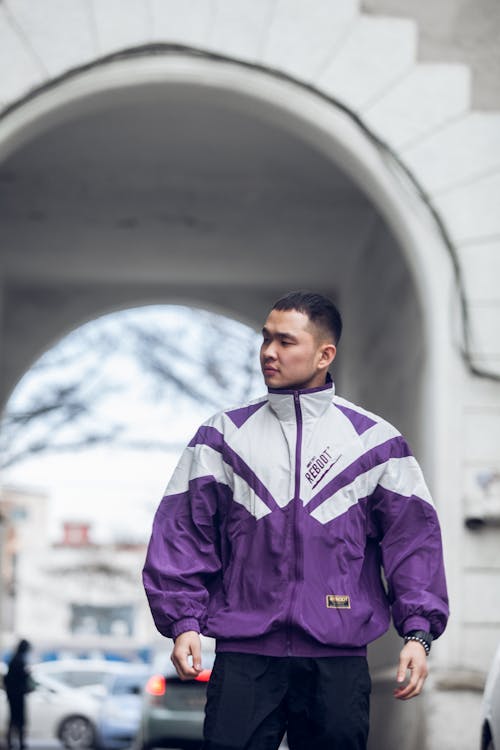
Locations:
{"points": [[271, 538]]}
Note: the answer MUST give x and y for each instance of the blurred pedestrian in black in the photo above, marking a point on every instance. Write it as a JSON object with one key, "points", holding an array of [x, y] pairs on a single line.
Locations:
{"points": [[17, 683]]}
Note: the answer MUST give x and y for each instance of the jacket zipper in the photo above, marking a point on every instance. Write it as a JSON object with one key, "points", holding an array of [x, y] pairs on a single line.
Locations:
{"points": [[296, 498], [298, 444]]}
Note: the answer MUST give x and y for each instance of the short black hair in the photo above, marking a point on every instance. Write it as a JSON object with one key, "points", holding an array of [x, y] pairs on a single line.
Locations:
{"points": [[319, 309]]}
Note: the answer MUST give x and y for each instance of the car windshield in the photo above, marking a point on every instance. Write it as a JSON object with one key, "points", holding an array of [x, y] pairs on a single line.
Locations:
{"points": [[129, 684], [81, 678]]}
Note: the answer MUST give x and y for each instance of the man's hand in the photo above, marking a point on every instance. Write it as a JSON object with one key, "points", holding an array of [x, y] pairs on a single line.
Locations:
{"points": [[414, 659], [187, 644]]}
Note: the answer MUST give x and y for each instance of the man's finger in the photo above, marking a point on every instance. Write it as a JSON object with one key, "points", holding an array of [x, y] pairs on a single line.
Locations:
{"points": [[402, 668], [410, 691], [196, 654], [185, 669], [414, 685]]}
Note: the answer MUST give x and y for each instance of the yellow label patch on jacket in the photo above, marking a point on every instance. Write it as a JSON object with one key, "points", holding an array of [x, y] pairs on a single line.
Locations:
{"points": [[336, 601]]}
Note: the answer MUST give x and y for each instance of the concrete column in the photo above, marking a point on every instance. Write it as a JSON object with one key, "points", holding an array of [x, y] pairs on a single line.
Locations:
{"points": [[2, 519]]}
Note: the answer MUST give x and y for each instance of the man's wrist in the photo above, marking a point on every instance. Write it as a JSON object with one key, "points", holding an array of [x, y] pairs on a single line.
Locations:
{"points": [[420, 636], [182, 626]]}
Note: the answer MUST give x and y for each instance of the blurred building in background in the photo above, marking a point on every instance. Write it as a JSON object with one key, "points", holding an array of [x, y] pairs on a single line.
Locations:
{"points": [[219, 154], [73, 596], [24, 533]]}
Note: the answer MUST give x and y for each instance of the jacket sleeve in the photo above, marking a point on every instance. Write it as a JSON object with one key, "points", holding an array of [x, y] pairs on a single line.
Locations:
{"points": [[405, 521], [183, 553]]}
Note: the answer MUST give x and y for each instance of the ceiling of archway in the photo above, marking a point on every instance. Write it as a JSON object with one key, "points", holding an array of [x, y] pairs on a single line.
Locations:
{"points": [[178, 186], [178, 194]]}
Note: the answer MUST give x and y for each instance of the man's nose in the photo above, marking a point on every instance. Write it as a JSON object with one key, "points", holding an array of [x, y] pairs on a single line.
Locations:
{"points": [[269, 351]]}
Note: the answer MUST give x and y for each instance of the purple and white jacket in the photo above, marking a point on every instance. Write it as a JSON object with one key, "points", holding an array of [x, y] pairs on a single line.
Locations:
{"points": [[275, 525]]}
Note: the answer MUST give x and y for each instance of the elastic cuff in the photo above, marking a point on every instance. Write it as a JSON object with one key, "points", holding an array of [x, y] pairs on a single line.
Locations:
{"points": [[182, 626], [415, 623]]}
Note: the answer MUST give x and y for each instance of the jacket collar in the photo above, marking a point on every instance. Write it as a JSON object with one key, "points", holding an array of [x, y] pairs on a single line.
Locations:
{"points": [[313, 401]]}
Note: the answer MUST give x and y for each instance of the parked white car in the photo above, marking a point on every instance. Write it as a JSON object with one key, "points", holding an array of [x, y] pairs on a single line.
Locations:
{"points": [[117, 688], [490, 733], [55, 711], [84, 674]]}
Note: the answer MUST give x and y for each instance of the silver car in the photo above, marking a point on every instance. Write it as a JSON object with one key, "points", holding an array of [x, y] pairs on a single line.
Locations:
{"points": [[490, 735], [55, 711], [115, 686], [82, 674]]}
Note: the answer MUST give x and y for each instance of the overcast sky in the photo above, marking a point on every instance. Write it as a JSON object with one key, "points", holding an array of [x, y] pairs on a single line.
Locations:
{"points": [[118, 490]]}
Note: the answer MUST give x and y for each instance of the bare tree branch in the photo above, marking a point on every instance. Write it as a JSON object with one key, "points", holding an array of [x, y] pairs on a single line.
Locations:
{"points": [[64, 405]]}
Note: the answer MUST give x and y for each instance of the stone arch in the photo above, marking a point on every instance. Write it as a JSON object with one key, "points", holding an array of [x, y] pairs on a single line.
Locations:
{"points": [[424, 264], [301, 113], [368, 62]]}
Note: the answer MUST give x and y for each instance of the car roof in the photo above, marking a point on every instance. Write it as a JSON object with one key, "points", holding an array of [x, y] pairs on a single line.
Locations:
{"points": [[90, 665]]}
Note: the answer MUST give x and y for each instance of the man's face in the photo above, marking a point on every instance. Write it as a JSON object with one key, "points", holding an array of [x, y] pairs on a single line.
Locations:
{"points": [[292, 354]]}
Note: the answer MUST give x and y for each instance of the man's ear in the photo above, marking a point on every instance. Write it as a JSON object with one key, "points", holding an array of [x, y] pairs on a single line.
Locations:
{"points": [[327, 355]]}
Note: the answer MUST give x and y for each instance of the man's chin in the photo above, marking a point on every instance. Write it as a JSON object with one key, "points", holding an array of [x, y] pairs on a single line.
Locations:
{"points": [[276, 381], [273, 380]]}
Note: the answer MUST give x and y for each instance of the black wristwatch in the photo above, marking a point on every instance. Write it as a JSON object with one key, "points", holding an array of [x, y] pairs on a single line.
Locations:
{"points": [[422, 637]]}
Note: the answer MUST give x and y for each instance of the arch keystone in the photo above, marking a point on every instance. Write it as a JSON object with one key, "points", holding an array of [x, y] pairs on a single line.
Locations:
{"points": [[121, 24]]}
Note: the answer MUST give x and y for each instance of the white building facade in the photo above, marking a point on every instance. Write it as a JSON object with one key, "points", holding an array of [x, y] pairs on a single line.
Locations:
{"points": [[72, 597], [220, 153]]}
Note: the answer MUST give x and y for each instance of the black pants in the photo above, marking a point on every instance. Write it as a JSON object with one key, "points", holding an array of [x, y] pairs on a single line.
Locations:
{"points": [[323, 703], [16, 720]]}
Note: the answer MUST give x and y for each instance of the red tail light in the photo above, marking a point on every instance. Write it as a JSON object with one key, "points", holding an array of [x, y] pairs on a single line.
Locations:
{"points": [[204, 675], [156, 685]]}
